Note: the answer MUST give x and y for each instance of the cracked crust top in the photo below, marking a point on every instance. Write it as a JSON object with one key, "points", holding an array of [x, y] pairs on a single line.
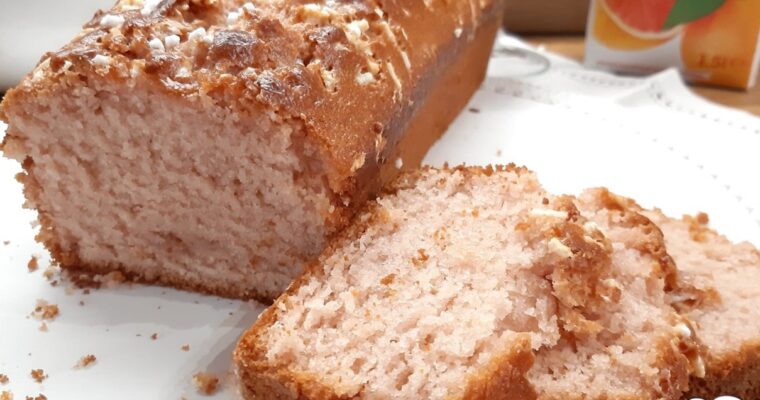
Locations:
{"points": [[353, 71]]}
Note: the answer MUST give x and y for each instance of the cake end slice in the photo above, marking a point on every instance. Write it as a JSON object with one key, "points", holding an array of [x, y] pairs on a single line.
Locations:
{"points": [[719, 289], [636, 346]]}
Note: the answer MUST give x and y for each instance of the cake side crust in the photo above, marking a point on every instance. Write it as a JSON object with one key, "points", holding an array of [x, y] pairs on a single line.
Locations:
{"points": [[736, 374], [504, 377]]}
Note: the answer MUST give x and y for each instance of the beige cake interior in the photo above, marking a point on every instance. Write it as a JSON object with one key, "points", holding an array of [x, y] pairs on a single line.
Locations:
{"points": [[168, 188], [433, 283], [638, 347]]}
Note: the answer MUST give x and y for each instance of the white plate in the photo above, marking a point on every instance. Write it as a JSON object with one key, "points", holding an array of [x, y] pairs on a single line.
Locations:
{"points": [[28, 29], [649, 139]]}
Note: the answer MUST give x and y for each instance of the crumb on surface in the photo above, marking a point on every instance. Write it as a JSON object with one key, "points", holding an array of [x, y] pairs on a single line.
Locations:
{"points": [[474, 110], [498, 153], [6, 395], [38, 375], [154, 336], [38, 397], [81, 303], [50, 272], [206, 382], [6, 242], [4, 379], [32, 265], [86, 361], [45, 311], [185, 347], [43, 327]]}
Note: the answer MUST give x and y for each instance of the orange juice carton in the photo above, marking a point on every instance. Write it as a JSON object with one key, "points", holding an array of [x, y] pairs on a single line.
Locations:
{"points": [[709, 41]]}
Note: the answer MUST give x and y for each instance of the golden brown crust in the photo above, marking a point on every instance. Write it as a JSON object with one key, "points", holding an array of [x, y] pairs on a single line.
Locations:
{"points": [[736, 374], [504, 377], [584, 396]]}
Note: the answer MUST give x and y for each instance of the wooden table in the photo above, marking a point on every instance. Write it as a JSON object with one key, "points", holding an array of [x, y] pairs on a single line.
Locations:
{"points": [[573, 47]]}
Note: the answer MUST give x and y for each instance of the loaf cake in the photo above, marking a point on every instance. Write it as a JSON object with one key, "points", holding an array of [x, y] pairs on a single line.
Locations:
{"points": [[446, 287], [638, 347], [719, 289], [215, 145]]}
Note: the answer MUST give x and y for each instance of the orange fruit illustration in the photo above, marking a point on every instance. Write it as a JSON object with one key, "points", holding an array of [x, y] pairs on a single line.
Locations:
{"points": [[641, 17], [719, 48], [632, 25]]}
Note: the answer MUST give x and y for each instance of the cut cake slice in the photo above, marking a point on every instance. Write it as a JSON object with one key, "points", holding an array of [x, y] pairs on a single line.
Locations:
{"points": [[397, 307], [441, 289], [638, 346], [719, 290]]}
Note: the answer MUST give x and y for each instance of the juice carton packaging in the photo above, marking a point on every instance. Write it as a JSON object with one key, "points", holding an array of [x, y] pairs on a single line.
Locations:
{"points": [[709, 41]]}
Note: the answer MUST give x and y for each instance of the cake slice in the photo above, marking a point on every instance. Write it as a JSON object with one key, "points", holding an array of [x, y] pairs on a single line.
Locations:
{"points": [[215, 145], [398, 309], [719, 289], [639, 347], [441, 289]]}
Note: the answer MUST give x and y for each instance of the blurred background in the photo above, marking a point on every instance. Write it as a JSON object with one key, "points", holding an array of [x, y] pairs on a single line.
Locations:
{"points": [[28, 29]]}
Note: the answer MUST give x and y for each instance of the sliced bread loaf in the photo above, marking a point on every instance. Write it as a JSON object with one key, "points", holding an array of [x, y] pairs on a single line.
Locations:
{"points": [[441, 289]]}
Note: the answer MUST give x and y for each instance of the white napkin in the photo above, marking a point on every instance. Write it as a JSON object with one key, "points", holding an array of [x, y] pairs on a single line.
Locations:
{"points": [[648, 138]]}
